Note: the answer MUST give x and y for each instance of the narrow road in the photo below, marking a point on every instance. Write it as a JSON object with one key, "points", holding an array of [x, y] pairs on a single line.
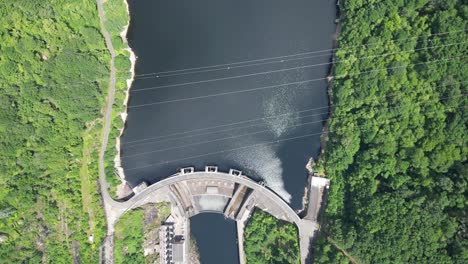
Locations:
{"points": [[107, 200]]}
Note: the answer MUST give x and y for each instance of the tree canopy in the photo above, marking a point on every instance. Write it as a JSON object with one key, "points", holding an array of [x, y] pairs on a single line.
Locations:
{"points": [[397, 144], [54, 71], [269, 240]]}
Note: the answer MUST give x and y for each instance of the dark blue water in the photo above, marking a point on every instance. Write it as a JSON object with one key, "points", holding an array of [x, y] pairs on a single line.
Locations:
{"points": [[222, 117], [209, 230]]}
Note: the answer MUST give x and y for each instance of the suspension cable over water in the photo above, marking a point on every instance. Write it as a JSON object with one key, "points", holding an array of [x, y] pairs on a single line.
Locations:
{"points": [[249, 146], [226, 65], [188, 134], [268, 130]]}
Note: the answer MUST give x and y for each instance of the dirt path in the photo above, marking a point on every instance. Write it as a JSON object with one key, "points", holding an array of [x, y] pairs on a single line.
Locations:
{"points": [[333, 243], [109, 103], [86, 182]]}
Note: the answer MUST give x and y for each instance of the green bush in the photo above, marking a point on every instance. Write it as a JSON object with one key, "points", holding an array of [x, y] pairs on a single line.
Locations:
{"points": [[269, 240], [129, 238]]}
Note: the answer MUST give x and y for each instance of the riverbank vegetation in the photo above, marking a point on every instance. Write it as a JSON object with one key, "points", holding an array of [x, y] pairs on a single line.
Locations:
{"points": [[138, 230], [270, 240], [116, 20], [397, 147], [54, 72]]}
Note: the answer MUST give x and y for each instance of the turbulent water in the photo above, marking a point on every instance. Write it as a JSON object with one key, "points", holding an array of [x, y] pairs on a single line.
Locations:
{"points": [[212, 203], [280, 107], [262, 160]]}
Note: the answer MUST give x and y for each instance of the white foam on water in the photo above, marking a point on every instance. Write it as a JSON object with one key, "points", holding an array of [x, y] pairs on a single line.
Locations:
{"points": [[212, 202], [263, 161], [280, 105]]}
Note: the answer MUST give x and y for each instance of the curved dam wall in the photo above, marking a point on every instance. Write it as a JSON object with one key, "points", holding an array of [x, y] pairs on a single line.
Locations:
{"points": [[218, 115]]}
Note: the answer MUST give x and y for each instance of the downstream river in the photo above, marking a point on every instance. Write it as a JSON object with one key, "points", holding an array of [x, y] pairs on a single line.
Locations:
{"points": [[233, 83]]}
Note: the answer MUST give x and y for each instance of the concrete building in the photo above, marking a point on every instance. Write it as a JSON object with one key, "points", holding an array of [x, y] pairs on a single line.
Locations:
{"points": [[172, 243], [140, 187]]}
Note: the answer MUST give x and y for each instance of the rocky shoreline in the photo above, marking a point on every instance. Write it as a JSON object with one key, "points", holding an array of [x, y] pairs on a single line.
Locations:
{"points": [[122, 189]]}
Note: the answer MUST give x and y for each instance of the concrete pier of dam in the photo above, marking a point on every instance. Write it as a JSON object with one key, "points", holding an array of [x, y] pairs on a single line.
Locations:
{"points": [[232, 194]]}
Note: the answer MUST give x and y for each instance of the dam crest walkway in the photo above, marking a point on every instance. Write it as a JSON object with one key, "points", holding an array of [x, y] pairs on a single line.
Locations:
{"points": [[193, 192]]}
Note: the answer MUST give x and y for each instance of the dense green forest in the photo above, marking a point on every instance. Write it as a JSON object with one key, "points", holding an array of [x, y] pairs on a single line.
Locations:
{"points": [[54, 71], [396, 149], [269, 240]]}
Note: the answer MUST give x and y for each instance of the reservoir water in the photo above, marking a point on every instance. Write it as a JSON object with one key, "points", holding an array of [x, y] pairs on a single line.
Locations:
{"points": [[233, 83]]}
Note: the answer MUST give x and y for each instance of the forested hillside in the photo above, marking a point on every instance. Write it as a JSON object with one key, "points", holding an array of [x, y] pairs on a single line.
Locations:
{"points": [[53, 83], [397, 144], [270, 240]]}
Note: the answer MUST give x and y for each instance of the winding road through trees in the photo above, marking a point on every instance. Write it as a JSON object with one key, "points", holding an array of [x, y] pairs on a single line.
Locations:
{"points": [[107, 200]]}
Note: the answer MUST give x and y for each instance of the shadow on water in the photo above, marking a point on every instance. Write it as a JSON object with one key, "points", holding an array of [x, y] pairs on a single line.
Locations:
{"points": [[210, 231]]}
